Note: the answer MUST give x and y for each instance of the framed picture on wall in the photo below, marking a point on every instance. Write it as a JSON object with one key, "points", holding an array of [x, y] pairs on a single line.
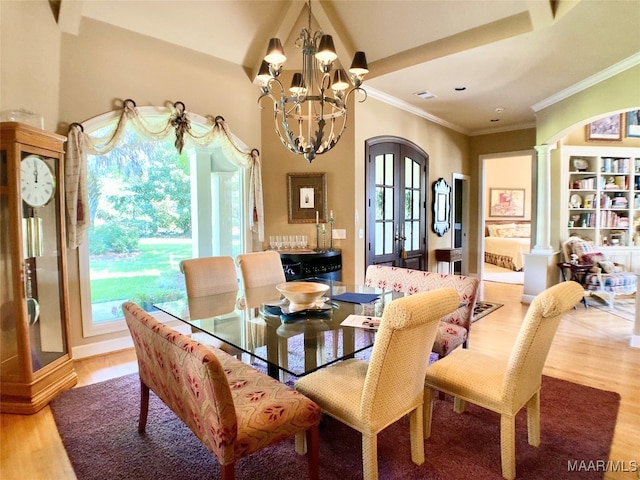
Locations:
{"points": [[633, 123], [506, 202], [608, 128], [307, 197]]}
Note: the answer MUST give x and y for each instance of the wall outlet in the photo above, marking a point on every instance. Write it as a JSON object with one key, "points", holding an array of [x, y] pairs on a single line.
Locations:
{"points": [[339, 234]]}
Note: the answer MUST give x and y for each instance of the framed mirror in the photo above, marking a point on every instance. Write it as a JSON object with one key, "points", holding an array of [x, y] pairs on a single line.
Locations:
{"points": [[441, 206]]}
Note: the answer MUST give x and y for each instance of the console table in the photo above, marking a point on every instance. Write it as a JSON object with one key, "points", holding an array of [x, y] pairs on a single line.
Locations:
{"points": [[447, 257], [299, 264]]}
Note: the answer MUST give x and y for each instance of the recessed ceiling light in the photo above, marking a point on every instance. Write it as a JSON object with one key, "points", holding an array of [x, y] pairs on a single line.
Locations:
{"points": [[499, 110], [460, 89], [425, 95]]}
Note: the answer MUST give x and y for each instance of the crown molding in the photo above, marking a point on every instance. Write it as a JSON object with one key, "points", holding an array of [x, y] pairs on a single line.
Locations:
{"points": [[588, 82], [508, 128], [402, 105]]}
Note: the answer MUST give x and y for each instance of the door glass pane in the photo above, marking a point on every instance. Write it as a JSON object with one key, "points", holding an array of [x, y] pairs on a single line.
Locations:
{"points": [[388, 238], [388, 169], [416, 205], [388, 204], [379, 238], [379, 167], [379, 203], [408, 173]]}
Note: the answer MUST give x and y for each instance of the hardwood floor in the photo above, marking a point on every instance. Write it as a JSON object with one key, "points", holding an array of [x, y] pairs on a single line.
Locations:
{"points": [[591, 347]]}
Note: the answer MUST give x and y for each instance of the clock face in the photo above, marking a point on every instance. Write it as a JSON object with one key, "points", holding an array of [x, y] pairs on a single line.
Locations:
{"points": [[37, 182]]}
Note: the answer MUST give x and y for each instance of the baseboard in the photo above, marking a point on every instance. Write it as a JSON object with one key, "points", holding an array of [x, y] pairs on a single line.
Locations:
{"points": [[527, 298], [635, 341], [109, 346]]}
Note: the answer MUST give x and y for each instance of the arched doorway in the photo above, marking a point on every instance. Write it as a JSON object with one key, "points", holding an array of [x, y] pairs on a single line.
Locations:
{"points": [[396, 175]]}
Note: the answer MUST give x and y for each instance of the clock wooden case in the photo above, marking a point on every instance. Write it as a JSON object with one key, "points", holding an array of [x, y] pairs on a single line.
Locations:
{"points": [[35, 359]]}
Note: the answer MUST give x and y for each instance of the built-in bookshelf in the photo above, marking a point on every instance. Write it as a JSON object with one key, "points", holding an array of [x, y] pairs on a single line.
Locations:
{"points": [[603, 194]]}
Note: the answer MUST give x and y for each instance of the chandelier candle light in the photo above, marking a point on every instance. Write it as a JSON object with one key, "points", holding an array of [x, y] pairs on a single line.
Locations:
{"points": [[321, 119]]}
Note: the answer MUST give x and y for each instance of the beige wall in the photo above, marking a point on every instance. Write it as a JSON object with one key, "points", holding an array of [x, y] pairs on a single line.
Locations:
{"points": [[508, 172], [30, 55]]}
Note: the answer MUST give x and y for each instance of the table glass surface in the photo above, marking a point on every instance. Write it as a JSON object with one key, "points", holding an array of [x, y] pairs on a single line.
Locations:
{"points": [[297, 344]]}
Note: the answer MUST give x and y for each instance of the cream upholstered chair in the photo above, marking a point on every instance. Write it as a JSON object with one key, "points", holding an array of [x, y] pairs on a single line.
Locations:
{"points": [[371, 396], [258, 269], [207, 277], [259, 272], [505, 385]]}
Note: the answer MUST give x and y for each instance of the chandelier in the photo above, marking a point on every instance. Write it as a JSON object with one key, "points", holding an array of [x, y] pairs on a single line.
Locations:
{"points": [[310, 119]]}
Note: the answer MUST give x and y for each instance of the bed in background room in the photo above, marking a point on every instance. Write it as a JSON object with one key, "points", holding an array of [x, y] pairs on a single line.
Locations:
{"points": [[506, 243]]}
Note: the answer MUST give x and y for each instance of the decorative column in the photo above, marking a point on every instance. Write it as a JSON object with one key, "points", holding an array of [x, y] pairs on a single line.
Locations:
{"points": [[540, 271], [635, 336]]}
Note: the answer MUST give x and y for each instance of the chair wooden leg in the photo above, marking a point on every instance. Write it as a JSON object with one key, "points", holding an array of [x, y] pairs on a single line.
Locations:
{"points": [[508, 446], [301, 443], [458, 405], [533, 419], [144, 406], [370, 457], [313, 452], [228, 471], [427, 412], [417, 436]]}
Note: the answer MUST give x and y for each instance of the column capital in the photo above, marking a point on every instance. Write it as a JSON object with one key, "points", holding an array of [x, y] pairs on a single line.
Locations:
{"points": [[545, 149]]}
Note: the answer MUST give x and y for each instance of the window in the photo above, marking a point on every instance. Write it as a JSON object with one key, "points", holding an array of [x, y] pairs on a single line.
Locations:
{"points": [[150, 208]]}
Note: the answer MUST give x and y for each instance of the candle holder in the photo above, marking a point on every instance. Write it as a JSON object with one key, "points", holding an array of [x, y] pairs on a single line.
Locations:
{"points": [[331, 220], [318, 238]]}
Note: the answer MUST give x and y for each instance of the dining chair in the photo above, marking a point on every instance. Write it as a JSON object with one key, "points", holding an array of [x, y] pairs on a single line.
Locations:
{"points": [[505, 385], [258, 269], [370, 396], [207, 277], [260, 272]]}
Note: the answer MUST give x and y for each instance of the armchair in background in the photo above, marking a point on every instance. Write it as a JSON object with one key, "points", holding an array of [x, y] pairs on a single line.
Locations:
{"points": [[606, 279]]}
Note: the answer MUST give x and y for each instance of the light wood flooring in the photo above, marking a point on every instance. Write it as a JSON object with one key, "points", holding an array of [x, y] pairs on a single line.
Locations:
{"points": [[590, 348]]}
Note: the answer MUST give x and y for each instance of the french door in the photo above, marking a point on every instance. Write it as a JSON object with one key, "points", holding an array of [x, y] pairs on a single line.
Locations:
{"points": [[396, 176]]}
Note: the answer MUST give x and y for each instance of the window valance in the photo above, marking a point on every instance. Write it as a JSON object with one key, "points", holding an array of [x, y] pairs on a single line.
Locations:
{"points": [[157, 124]]}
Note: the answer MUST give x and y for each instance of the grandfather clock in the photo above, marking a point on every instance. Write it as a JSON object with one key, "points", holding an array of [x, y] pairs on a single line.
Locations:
{"points": [[35, 359]]}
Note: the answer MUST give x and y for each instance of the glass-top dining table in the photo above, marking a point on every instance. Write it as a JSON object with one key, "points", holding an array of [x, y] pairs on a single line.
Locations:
{"points": [[256, 322]]}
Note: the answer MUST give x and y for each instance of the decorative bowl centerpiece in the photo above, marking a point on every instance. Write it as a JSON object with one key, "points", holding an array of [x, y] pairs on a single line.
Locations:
{"points": [[302, 295]]}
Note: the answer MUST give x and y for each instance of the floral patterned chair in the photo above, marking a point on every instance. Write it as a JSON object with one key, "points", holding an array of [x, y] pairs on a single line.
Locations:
{"points": [[234, 409], [453, 329], [606, 279]]}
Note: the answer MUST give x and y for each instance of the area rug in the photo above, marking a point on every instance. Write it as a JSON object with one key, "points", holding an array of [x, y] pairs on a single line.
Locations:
{"points": [[98, 426], [482, 309], [623, 306]]}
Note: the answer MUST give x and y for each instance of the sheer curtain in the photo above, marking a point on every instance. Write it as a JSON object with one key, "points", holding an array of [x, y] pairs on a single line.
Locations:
{"points": [[176, 121]]}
